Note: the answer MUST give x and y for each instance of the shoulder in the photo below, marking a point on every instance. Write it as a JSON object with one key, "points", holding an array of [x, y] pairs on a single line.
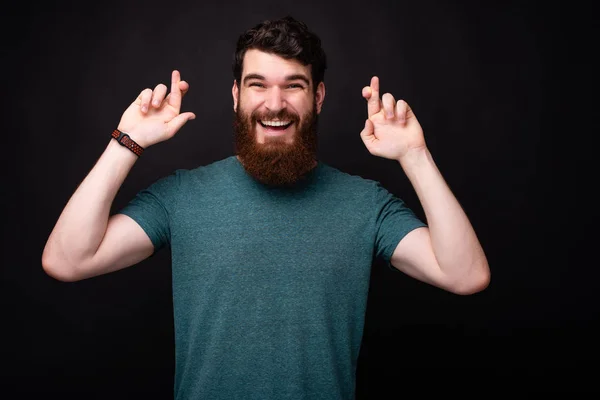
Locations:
{"points": [[349, 188], [183, 179], [214, 170], [223, 166], [336, 178]]}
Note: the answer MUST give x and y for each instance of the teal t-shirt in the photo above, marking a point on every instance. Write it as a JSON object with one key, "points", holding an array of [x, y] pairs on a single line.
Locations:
{"points": [[270, 285]]}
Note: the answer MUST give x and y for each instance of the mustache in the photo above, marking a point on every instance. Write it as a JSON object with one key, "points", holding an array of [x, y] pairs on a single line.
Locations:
{"points": [[283, 115]]}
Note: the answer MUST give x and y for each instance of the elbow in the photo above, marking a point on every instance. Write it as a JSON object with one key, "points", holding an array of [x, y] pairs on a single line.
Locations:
{"points": [[57, 269], [474, 283]]}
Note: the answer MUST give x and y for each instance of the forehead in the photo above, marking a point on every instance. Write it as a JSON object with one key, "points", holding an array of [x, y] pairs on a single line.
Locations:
{"points": [[271, 66]]}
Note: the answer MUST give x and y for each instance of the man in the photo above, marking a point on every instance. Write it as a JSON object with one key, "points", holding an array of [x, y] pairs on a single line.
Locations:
{"points": [[271, 248]]}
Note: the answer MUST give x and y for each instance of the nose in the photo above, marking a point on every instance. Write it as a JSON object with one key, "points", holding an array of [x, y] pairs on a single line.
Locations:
{"points": [[275, 100]]}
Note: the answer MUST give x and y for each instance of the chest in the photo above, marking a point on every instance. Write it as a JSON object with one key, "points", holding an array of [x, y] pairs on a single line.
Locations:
{"points": [[273, 241]]}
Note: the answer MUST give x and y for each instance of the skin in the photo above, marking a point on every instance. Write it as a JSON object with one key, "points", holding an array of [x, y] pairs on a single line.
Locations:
{"points": [[86, 241], [447, 253], [270, 83], [155, 116]]}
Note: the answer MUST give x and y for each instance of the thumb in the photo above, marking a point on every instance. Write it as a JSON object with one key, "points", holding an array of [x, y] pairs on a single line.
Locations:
{"points": [[368, 132], [176, 123]]}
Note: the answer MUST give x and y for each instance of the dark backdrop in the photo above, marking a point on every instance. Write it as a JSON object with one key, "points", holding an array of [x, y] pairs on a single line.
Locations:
{"points": [[502, 90]]}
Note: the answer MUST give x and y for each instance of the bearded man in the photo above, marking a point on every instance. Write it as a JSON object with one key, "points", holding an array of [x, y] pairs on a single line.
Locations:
{"points": [[271, 248]]}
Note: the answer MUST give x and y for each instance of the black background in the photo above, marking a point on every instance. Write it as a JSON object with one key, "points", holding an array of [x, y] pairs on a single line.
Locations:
{"points": [[503, 91]]}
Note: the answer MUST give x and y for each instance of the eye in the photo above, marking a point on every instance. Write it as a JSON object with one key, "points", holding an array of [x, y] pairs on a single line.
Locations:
{"points": [[295, 86], [257, 84]]}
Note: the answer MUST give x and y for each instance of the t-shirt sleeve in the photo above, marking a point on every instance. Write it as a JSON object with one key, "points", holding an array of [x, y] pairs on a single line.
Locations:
{"points": [[151, 208], [394, 220]]}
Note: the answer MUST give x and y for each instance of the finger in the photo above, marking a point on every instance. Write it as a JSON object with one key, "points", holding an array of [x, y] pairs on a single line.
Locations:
{"points": [[144, 99], [158, 95], [389, 105], [374, 103], [175, 95], [368, 132], [366, 92], [184, 87], [403, 111], [176, 123]]}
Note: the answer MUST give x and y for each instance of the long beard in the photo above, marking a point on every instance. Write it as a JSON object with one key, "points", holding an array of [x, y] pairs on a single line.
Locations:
{"points": [[276, 163]]}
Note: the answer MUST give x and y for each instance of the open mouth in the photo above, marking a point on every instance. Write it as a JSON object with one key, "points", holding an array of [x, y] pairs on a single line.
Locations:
{"points": [[275, 125]]}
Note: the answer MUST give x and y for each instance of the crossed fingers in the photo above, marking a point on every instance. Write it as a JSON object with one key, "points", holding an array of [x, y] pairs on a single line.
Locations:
{"points": [[156, 98], [387, 103]]}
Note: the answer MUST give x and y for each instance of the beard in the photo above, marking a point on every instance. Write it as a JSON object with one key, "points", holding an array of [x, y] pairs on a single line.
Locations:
{"points": [[275, 162]]}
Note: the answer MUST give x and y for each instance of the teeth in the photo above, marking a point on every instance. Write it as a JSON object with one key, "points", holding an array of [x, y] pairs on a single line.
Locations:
{"points": [[275, 123]]}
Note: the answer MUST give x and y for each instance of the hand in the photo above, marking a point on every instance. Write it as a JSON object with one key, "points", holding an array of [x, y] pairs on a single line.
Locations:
{"points": [[392, 129], [152, 117]]}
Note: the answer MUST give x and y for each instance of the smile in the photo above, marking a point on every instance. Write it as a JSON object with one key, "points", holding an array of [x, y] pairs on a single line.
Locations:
{"points": [[279, 125]]}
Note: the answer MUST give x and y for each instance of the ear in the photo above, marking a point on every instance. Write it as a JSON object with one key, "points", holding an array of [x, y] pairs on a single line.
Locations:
{"points": [[320, 96], [235, 93]]}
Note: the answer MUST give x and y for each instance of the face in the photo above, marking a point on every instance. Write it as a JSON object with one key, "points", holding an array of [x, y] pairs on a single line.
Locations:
{"points": [[278, 91], [276, 110]]}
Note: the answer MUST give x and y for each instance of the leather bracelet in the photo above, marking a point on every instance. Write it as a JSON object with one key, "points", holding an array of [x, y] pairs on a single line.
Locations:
{"points": [[126, 141]]}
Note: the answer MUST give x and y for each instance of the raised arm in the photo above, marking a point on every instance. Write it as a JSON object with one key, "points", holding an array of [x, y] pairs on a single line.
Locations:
{"points": [[86, 241], [447, 253]]}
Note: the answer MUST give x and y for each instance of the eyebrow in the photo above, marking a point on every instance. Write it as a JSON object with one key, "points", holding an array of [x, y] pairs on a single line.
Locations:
{"points": [[288, 78]]}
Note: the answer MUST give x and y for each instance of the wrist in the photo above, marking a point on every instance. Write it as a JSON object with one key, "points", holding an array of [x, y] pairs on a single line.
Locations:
{"points": [[414, 157], [118, 148], [126, 141]]}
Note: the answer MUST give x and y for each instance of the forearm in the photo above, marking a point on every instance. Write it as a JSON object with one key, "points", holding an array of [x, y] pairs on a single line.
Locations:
{"points": [[455, 244], [82, 223]]}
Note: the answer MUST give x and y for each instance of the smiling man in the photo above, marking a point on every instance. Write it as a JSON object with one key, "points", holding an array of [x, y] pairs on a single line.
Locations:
{"points": [[276, 104], [271, 248]]}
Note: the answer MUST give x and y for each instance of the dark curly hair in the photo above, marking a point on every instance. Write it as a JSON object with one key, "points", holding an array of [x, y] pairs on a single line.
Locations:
{"points": [[287, 38]]}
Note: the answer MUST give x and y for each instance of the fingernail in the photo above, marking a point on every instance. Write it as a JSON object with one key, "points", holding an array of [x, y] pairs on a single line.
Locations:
{"points": [[144, 108]]}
